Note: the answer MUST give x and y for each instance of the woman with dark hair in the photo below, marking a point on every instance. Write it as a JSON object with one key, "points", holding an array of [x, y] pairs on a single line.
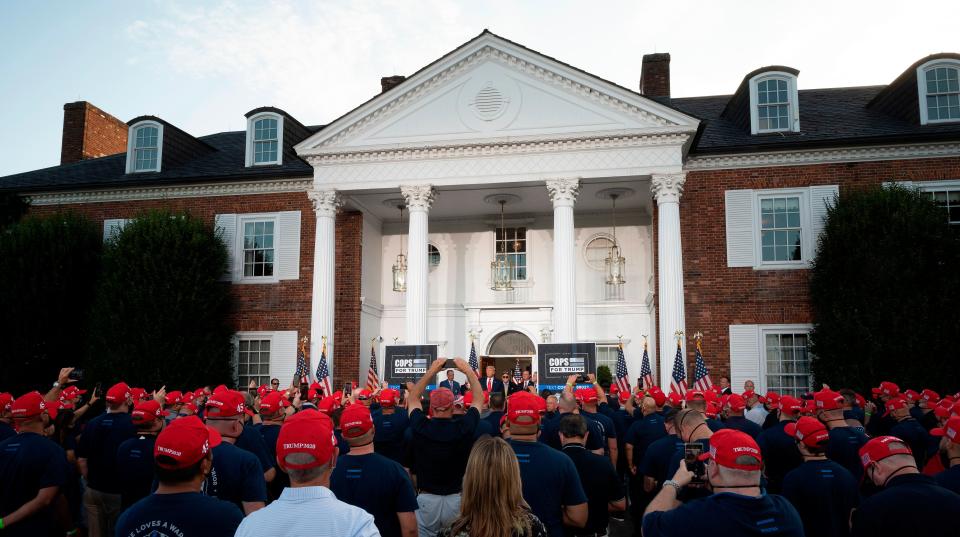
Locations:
{"points": [[492, 503]]}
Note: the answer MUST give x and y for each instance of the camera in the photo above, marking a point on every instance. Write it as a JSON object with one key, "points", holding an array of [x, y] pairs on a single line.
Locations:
{"points": [[691, 457], [76, 374]]}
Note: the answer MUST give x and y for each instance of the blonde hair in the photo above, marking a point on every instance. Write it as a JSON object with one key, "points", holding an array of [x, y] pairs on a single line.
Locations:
{"points": [[492, 503]]}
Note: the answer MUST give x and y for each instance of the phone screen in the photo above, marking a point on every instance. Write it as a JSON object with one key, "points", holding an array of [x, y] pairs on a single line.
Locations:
{"points": [[347, 388], [691, 456]]}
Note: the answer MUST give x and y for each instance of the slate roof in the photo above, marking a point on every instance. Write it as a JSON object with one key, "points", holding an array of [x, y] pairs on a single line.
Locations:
{"points": [[828, 117], [224, 163]]}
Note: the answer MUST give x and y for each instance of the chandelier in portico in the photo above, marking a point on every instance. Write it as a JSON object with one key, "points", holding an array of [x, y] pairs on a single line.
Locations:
{"points": [[615, 262], [400, 267], [501, 269]]}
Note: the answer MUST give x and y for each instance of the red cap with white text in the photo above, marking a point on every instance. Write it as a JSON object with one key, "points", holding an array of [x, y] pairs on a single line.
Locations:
{"points": [[727, 445], [184, 443]]}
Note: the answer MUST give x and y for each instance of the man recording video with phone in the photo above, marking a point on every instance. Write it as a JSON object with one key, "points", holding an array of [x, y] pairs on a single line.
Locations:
{"points": [[732, 469]]}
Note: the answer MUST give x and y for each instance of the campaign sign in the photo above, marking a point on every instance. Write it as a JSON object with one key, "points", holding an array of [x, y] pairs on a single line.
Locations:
{"points": [[557, 361], [404, 363]]}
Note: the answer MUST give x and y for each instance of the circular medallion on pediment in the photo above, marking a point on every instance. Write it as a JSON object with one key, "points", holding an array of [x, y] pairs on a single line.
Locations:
{"points": [[489, 101]]}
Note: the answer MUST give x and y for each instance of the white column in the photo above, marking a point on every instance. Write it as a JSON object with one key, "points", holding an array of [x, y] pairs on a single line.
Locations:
{"points": [[563, 194], [326, 203], [667, 189], [419, 198]]}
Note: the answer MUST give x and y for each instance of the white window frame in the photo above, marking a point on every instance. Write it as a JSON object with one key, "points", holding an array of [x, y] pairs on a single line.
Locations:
{"points": [[252, 336], [771, 329], [527, 245], [793, 103], [806, 244], [251, 121], [132, 140], [243, 219], [922, 87], [613, 367], [586, 244]]}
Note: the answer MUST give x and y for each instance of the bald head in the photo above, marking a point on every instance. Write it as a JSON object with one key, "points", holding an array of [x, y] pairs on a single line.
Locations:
{"points": [[568, 403]]}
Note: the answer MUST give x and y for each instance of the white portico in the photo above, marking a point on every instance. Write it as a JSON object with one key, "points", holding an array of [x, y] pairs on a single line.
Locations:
{"points": [[494, 121]]}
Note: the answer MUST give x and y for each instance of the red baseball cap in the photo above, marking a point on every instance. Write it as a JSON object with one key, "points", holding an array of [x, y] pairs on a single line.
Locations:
{"points": [[827, 400], [879, 448], [728, 444], [272, 403], [659, 398], [147, 411], [748, 394], [886, 388], [808, 430], [6, 400], [788, 405], [675, 399], [896, 403], [468, 398], [388, 397], [441, 399], [308, 432], [173, 397], [623, 396], [711, 396], [523, 409], [693, 394], [189, 408], [355, 421], [327, 405], [118, 393], [713, 409], [951, 430], [28, 405], [71, 391], [226, 404], [220, 389], [861, 401], [943, 409], [911, 395], [736, 403], [930, 396], [809, 407], [184, 443], [137, 394], [589, 395], [263, 390], [771, 398], [364, 394]]}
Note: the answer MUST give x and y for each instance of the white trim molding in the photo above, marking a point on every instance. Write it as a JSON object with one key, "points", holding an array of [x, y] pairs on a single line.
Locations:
{"points": [[251, 123], [793, 102], [202, 190], [801, 157]]}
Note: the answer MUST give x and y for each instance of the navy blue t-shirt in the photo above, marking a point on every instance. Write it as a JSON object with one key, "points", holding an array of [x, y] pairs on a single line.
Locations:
{"points": [[135, 469], [236, 476], [656, 460], [99, 441], [343, 447], [910, 431], [727, 514], [600, 483], [823, 493], [377, 485], [714, 424], [389, 439], [484, 428], [855, 413], [607, 428], [439, 450], [493, 419], [187, 514], [270, 433], [911, 504], [251, 440], [739, 423], [844, 449], [550, 482], [780, 455], [644, 432], [949, 479], [29, 462], [550, 434], [6, 431]]}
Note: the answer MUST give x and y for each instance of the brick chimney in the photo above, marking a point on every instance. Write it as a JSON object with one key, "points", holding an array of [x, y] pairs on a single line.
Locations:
{"points": [[387, 83], [89, 132], [655, 75]]}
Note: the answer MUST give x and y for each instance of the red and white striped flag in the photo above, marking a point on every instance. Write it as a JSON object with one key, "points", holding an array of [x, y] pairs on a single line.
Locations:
{"points": [[373, 380]]}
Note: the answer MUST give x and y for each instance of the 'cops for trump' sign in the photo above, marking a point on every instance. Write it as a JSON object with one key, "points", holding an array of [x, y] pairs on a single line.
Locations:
{"points": [[557, 361], [407, 362]]}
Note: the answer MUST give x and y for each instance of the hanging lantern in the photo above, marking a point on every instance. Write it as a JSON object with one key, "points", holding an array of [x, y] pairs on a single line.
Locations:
{"points": [[400, 267], [501, 270], [615, 262]]}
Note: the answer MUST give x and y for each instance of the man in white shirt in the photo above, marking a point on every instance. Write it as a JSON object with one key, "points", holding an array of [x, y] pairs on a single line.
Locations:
{"points": [[307, 452]]}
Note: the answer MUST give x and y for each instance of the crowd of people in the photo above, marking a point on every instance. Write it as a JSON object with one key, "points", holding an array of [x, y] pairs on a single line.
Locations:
{"points": [[489, 458]]}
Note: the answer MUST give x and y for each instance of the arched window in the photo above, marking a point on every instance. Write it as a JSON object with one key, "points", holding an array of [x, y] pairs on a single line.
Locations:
{"points": [[938, 84], [433, 256], [144, 147], [511, 343], [773, 103], [264, 139]]}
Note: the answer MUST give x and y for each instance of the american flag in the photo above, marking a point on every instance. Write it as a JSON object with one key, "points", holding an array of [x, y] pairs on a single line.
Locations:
{"points": [[623, 379], [373, 380], [323, 374], [700, 375], [303, 370], [678, 380], [517, 375], [645, 372], [474, 363]]}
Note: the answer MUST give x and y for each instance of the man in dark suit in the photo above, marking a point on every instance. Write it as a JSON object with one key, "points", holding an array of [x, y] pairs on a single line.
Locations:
{"points": [[524, 383], [490, 382], [450, 384], [725, 386]]}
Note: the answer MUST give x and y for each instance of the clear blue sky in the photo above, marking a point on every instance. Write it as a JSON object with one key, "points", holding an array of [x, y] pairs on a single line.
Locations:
{"points": [[202, 65]]}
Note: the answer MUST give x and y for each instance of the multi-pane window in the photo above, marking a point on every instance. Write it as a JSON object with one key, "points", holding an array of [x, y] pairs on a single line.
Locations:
{"points": [[788, 363], [773, 105], [943, 94], [265, 141], [607, 355], [511, 243], [253, 362], [258, 249], [145, 148], [949, 199], [780, 231]]}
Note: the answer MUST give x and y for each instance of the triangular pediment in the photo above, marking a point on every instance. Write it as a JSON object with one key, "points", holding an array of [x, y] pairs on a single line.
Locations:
{"points": [[491, 90]]}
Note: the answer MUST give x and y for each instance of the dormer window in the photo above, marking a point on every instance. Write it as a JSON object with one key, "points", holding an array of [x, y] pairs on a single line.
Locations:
{"points": [[773, 103], [144, 147], [264, 139], [938, 85]]}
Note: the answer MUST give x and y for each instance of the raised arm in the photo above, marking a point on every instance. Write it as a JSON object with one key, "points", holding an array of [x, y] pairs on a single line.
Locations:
{"points": [[414, 393], [475, 388]]}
